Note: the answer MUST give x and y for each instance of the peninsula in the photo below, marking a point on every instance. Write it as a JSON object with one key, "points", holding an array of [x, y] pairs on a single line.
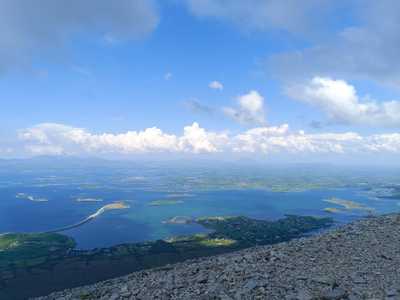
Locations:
{"points": [[357, 261], [111, 206]]}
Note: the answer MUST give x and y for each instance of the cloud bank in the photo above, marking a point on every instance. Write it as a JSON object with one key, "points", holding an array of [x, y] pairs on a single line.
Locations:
{"points": [[57, 139], [51, 138]]}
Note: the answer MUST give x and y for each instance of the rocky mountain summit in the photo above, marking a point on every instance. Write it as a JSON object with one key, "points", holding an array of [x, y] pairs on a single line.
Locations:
{"points": [[357, 261]]}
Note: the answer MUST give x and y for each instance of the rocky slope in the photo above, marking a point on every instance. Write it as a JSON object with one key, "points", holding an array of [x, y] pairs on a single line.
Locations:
{"points": [[358, 261]]}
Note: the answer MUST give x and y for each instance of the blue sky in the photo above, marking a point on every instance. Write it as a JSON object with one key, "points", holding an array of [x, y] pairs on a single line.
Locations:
{"points": [[71, 75]]}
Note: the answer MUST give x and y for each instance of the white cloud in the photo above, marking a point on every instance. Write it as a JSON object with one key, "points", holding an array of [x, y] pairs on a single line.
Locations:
{"points": [[339, 100], [280, 139], [27, 29], [50, 138], [384, 143], [57, 139], [250, 109], [197, 140], [216, 85]]}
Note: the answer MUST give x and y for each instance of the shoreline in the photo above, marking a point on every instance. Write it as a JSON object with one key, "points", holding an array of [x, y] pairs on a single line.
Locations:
{"points": [[77, 268], [358, 260]]}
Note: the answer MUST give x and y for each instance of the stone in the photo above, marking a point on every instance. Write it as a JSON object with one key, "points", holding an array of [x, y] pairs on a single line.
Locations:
{"points": [[114, 296], [335, 294], [317, 267], [251, 284], [303, 295], [391, 293]]}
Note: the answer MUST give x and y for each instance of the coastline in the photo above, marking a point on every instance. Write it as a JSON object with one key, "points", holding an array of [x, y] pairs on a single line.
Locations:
{"points": [[81, 267], [356, 261]]}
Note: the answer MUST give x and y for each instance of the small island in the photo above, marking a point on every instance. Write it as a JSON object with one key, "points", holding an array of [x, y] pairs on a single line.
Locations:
{"points": [[332, 210], [111, 206], [179, 220], [165, 202], [349, 205], [30, 197], [183, 195], [88, 200]]}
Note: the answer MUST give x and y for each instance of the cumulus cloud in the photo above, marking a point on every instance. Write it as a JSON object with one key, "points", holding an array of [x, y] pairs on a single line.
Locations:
{"points": [[339, 100], [280, 139], [216, 85], [197, 140], [27, 28], [250, 109], [57, 139], [51, 138]]}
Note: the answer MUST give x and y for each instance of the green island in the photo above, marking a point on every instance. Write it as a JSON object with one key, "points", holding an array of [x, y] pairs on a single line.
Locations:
{"points": [[347, 205], [31, 260], [332, 210], [179, 220], [165, 202]]}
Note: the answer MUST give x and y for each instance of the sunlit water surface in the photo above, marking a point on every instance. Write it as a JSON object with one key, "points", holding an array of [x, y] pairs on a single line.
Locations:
{"points": [[142, 221]]}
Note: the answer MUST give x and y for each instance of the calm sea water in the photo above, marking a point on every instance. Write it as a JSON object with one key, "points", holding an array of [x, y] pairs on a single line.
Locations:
{"points": [[143, 222]]}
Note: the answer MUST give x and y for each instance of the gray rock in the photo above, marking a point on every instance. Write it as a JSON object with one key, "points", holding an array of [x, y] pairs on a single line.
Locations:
{"points": [[303, 295], [114, 296], [392, 293], [346, 263], [250, 285], [335, 294]]}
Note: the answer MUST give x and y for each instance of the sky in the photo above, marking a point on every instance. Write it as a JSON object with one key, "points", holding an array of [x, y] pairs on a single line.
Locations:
{"points": [[269, 79]]}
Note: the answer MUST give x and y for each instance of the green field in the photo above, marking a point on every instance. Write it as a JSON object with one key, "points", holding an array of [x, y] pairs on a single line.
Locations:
{"points": [[30, 249]]}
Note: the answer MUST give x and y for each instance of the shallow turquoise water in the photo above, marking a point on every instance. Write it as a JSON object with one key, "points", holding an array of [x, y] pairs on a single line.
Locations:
{"points": [[144, 222]]}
